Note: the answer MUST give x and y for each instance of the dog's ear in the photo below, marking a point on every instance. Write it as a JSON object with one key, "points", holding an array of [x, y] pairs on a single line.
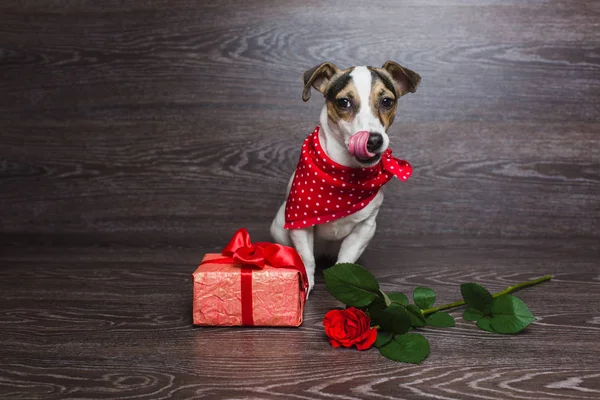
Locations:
{"points": [[318, 77], [405, 80]]}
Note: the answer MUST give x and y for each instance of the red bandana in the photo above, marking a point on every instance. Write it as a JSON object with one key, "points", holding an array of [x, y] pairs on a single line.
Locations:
{"points": [[323, 190]]}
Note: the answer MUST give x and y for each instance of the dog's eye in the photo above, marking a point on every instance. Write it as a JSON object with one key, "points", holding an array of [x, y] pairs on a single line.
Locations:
{"points": [[343, 103], [387, 102]]}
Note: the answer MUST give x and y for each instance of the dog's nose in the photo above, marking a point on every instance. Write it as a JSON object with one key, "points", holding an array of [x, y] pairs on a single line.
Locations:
{"points": [[375, 142]]}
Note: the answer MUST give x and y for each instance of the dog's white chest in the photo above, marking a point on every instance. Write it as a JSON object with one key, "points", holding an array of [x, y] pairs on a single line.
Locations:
{"points": [[340, 228]]}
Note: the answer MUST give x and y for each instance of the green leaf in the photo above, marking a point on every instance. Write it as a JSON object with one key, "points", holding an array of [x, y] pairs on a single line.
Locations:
{"points": [[440, 319], [398, 297], [484, 323], [472, 314], [393, 319], [423, 297], [410, 348], [416, 316], [476, 296], [383, 338], [376, 306], [385, 298], [510, 315], [351, 284]]}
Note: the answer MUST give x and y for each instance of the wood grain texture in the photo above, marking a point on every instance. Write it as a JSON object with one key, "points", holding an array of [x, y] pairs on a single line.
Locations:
{"points": [[86, 322], [137, 136], [155, 116]]}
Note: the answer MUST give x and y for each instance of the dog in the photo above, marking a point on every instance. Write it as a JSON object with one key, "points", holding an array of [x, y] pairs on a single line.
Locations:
{"points": [[360, 105]]}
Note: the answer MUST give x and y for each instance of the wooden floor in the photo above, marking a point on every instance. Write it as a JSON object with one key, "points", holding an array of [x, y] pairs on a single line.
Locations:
{"points": [[137, 136]]}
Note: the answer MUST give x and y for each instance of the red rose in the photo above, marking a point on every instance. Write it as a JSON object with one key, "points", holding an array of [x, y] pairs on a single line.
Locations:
{"points": [[348, 327]]}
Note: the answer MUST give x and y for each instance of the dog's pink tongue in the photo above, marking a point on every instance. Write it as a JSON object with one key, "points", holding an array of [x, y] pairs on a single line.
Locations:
{"points": [[358, 145]]}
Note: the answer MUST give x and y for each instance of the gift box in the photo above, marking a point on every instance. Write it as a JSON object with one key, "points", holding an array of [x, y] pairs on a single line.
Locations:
{"points": [[261, 284]]}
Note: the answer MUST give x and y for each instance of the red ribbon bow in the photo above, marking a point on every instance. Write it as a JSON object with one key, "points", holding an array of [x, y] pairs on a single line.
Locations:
{"points": [[241, 250]]}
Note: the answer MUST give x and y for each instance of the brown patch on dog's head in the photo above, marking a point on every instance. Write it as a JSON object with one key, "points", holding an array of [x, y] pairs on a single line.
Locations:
{"points": [[389, 83], [383, 97], [342, 97], [340, 92]]}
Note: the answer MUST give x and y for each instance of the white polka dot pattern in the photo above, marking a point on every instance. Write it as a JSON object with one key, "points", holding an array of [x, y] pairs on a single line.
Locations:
{"points": [[321, 184]]}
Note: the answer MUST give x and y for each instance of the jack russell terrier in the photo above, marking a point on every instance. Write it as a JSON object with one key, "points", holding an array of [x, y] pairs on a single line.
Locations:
{"points": [[333, 196]]}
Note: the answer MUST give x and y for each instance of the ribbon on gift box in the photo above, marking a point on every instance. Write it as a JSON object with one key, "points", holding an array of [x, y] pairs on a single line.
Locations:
{"points": [[240, 250]]}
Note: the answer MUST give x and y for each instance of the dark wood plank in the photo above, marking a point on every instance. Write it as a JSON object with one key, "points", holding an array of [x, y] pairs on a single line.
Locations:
{"points": [[88, 322], [136, 136], [142, 117], [543, 184]]}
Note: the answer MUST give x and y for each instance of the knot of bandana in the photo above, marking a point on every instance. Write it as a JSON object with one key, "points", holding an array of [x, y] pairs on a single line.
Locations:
{"points": [[323, 190]]}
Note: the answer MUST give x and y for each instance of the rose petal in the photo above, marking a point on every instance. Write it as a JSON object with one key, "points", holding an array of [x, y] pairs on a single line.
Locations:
{"points": [[330, 316], [369, 341], [353, 323]]}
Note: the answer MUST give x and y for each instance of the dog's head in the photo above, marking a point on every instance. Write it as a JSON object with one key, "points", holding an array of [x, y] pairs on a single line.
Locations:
{"points": [[361, 103]]}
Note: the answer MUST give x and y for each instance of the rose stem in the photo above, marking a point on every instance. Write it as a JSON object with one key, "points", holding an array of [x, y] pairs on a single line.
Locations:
{"points": [[509, 289]]}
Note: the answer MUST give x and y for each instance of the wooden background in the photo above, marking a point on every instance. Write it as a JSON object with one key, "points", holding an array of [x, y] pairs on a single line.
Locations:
{"points": [[136, 136]]}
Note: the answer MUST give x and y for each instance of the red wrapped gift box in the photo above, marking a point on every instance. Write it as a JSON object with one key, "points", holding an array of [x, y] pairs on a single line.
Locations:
{"points": [[262, 284]]}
